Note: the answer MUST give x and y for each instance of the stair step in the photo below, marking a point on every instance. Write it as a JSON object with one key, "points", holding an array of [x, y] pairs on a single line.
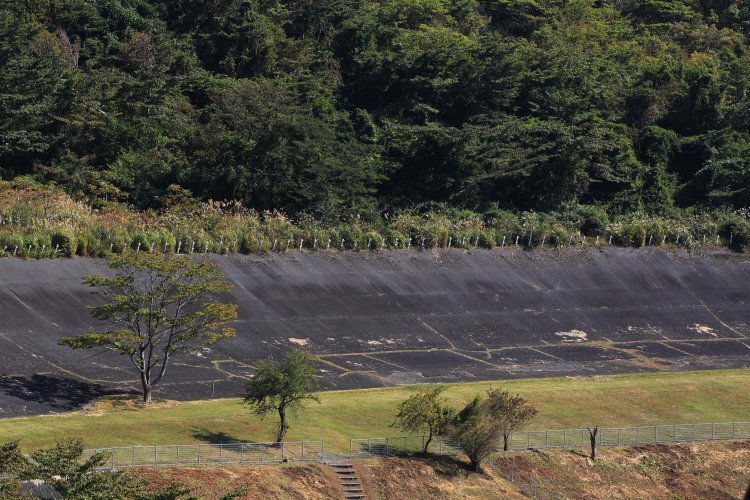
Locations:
{"points": [[357, 490], [346, 485], [348, 466], [345, 472]]}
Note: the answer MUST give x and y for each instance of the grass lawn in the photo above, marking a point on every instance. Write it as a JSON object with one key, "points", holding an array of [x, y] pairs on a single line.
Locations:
{"points": [[640, 399]]}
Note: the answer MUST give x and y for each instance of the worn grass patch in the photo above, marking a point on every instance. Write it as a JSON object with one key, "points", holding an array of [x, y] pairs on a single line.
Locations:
{"points": [[639, 399]]}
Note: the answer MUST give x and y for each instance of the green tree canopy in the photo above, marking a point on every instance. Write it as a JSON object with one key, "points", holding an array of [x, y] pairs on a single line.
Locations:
{"points": [[282, 387], [425, 411], [159, 307]]}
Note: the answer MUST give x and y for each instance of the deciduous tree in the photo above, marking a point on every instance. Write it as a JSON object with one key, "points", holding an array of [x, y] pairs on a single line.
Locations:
{"points": [[282, 387], [159, 307], [425, 411], [64, 469], [510, 413]]}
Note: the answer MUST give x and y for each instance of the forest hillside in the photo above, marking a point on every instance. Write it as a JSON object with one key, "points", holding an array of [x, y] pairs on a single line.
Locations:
{"points": [[342, 110]]}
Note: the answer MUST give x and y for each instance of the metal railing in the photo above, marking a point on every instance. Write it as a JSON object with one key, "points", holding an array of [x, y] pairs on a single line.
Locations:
{"points": [[561, 438], [401, 445], [313, 451], [211, 454], [630, 436]]}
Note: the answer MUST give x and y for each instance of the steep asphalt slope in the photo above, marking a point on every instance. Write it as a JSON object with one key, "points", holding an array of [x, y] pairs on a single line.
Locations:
{"points": [[399, 317]]}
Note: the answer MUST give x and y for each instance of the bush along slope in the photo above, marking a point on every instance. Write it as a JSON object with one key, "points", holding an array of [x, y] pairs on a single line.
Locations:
{"points": [[40, 222]]}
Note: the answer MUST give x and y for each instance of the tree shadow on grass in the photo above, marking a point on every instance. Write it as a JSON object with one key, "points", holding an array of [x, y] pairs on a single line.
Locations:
{"points": [[59, 393], [212, 437]]}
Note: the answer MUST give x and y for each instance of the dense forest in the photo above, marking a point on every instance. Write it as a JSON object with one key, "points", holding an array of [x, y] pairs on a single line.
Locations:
{"points": [[366, 109]]}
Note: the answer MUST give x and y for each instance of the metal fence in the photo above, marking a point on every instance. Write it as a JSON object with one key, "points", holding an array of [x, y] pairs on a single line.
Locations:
{"points": [[629, 436], [561, 438], [211, 454], [313, 451], [402, 445]]}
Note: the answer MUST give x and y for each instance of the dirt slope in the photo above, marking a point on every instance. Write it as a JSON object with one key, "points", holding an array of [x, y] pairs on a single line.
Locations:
{"points": [[703, 470]]}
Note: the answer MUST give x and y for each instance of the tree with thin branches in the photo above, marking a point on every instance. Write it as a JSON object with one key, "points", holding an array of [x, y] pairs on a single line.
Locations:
{"points": [[425, 411], [159, 307], [282, 387], [510, 413]]}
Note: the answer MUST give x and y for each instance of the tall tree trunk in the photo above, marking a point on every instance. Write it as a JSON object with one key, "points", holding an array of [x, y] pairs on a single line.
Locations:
{"points": [[282, 424], [427, 443], [146, 383], [592, 437], [505, 440]]}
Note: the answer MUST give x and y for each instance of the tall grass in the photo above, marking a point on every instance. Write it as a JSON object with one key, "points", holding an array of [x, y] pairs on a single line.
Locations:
{"points": [[41, 222]]}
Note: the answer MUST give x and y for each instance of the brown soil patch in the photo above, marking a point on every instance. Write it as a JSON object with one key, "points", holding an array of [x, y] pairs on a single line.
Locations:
{"points": [[718, 470], [311, 481]]}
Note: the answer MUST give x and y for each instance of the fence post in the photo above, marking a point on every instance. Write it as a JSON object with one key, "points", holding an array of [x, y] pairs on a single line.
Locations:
{"points": [[733, 429], [423, 441], [712, 431], [528, 440], [368, 446], [350, 448], [693, 432], [546, 439], [674, 433], [113, 460], [242, 452], [565, 439], [637, 434], [405, 443], [618, 436], [656, 434], [199, 454]]}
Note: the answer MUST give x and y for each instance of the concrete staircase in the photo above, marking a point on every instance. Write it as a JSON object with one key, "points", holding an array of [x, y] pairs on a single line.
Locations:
{"points": [[349, 480]]}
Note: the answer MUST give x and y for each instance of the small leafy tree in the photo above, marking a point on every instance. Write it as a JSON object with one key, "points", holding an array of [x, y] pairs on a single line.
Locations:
{"points": [[473, 433], [63, 468], [159, 307], [510, 413], [425, 411], [282, 387]]}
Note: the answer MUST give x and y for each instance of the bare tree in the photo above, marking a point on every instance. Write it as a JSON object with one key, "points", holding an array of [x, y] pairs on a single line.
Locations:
{"points": [[592, 437]]}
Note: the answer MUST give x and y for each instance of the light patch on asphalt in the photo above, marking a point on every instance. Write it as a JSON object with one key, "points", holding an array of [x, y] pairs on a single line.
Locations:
{"points": [[302, 342], [573, 336], [703, 329]]}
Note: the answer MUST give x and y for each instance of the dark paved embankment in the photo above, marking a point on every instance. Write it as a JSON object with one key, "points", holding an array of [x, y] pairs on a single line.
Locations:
{"points": [[399, 317]]}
